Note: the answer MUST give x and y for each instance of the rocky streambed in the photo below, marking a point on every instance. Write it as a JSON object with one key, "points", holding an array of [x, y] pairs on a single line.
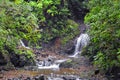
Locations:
{"points": [[62, 74], [70, 69]]}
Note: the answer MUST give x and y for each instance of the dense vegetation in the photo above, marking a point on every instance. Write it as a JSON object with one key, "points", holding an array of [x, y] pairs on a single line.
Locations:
{"points": [[16, 22], [104, 21], [34, 21], [38, 21]]}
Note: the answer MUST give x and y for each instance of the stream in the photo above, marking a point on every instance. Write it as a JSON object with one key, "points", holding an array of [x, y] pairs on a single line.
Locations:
{"points": [[49, 67]]}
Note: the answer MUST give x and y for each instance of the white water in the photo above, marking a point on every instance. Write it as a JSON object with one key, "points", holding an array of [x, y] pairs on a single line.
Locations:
{"points": [[49, 65], [53, 66], [24, 45], [82, 41], [60, 61]]}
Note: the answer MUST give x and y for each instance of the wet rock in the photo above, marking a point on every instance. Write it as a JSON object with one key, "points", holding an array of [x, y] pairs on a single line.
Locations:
{"points": [[37, 52], [69, 78], [39, 77], [96, 71], [21, 60], [70, 50], [75, 62], [36, 78], [48, 61], [2, 60], [42, 77], [67, 64], [64, 78], [28, 78]]}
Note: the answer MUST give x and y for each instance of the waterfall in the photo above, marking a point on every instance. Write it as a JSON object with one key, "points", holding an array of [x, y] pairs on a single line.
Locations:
{"points": [[82, 41], [22, 43]]}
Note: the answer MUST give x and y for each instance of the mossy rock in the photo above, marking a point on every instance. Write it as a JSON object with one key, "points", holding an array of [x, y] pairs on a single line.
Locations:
{"points": [[21, 60], [68, 64]]}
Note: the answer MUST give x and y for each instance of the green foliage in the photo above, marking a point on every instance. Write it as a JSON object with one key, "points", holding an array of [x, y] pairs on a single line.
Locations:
{"points": [[78, 8], [104, 19], [33, 20], [71, 31], [55, 20], [52, 18], [16, 22]]}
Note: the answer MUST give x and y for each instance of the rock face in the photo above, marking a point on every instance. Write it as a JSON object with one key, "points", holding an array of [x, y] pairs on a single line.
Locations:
{"points": [[76, 62], [68, 48], [48, 61], [21, 60], [2, 60]]}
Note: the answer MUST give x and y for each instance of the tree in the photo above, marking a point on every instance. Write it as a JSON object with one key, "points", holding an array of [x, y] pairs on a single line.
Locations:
{"points": [[17, 22], [104, 21]]}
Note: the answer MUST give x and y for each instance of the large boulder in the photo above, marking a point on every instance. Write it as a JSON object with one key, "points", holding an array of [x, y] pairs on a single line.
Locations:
{"points": [[68, 48], [21, 60], [75, 62], [2, 60]]}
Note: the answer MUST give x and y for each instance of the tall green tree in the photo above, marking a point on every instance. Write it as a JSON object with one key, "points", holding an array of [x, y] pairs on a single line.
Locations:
{"points": [[104, 21]]}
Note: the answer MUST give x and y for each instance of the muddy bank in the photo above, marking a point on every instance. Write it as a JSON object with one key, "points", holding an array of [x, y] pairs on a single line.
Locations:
{"points": [[24, 74], [62, 74]]}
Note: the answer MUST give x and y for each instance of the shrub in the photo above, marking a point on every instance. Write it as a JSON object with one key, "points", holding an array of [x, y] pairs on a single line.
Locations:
{"points": [[52, 18], [104, 19], [16, 22]]}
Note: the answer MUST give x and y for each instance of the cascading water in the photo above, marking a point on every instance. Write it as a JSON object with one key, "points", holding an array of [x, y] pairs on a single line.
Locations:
{"points": [[50, 63], [22, 43], [82, 41]]}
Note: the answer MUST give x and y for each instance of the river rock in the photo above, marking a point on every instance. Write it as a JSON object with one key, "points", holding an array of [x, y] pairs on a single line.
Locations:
{"points": [[41, 77], [48, 61], [69, 78], [28, 78]]}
